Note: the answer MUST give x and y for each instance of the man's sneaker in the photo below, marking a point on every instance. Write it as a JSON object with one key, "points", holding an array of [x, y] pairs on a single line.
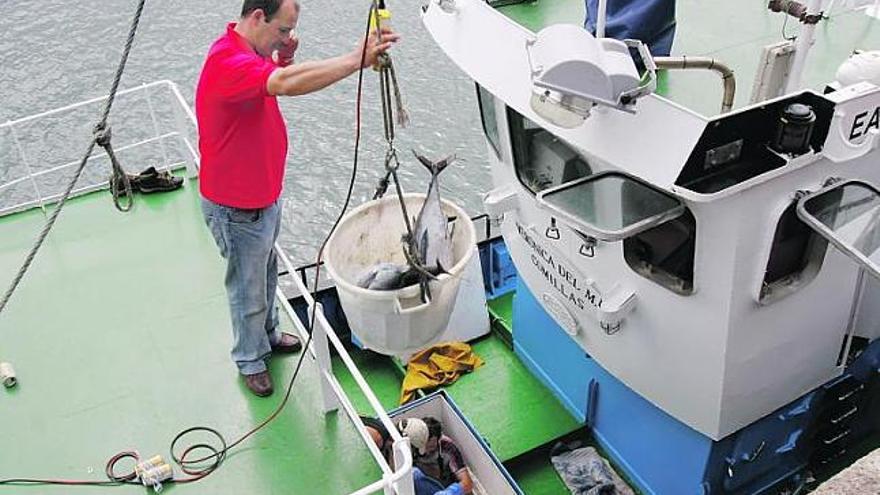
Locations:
{"points": [[288, 344], [260, 383], [151, 180]]}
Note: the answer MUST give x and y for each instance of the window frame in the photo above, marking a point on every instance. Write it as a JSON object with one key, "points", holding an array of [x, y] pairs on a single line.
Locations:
{"points": [[829, 235], [624, 232], [494, 140], [813, 257], [516, 133]]}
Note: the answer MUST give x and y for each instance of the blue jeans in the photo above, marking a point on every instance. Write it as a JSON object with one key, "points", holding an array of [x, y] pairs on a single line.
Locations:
{"points": [[651, 21], [246, 239], [424, 484]]}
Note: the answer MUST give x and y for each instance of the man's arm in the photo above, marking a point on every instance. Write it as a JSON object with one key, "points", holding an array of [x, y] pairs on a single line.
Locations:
{"points": [[464, 478], [307, 77]]}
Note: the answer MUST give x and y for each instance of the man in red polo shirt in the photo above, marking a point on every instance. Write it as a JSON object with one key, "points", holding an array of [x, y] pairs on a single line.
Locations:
{"points": [[243, 147]]}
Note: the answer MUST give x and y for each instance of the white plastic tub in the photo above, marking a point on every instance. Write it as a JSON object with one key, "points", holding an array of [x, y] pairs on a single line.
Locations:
{"points": [[394, 322]]}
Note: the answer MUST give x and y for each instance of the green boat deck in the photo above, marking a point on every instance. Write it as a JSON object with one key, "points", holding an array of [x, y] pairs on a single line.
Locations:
{"points": [[120, 336]]}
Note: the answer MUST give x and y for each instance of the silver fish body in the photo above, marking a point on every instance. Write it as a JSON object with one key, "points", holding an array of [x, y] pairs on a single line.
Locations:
{"points": [[386, 276], [432, 238], [433, 231]]}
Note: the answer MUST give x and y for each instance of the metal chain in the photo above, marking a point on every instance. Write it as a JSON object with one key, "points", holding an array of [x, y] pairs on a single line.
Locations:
{"points": [[100, 129], [389, 92]]}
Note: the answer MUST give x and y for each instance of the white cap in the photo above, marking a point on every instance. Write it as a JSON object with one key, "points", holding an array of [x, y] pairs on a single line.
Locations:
{"points": [[417, 431]]}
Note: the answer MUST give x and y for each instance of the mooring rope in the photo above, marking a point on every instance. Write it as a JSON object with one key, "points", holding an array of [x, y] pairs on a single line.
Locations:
{"points": [[101, 137]]}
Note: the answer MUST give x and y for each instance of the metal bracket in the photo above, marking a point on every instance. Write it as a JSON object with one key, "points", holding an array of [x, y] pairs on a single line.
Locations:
{"points": [[552, 231], [628, 98], [610, 329], [795, 9], [587, 251]]}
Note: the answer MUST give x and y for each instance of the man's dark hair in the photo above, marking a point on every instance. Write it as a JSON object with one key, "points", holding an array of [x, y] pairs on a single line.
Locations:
{"points": [[435, 429], [269, 7]]}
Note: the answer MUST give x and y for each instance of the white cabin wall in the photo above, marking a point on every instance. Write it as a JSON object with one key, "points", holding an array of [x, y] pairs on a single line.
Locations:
{"points": [[670, 348], [717, 360], [779, 350], [868, 319], [679, 339]]}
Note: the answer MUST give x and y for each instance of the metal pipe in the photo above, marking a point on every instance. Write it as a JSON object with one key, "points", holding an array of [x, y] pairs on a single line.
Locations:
{"points": [[601, 15], [56, 111], [76, 192], [686, 63], [792, 8], [802, 48], [874, 10], [127, 147], [156, 129], [30, 173], [853, 315]]}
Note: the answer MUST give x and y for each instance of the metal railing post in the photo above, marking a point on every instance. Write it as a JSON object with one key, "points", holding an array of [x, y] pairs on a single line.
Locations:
{"points": [[322, 358], [183, 114], [27, 165], [149, 99], [398, 482], [404, 486]]}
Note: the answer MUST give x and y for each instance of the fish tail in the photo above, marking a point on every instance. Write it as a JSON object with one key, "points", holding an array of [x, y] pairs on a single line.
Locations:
{"points": [[427, 163], [434, 167]]}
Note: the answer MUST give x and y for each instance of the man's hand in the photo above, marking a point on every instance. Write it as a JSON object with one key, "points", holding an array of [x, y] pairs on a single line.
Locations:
{"points": [[312, 75], [284, 55], [376, 45]]}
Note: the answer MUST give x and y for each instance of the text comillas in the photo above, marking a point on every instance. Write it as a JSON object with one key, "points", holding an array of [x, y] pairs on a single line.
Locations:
{"points": [[562, 278]]}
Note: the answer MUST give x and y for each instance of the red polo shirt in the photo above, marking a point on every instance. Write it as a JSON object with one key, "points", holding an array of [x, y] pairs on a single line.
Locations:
{"points": [[242, 136]]}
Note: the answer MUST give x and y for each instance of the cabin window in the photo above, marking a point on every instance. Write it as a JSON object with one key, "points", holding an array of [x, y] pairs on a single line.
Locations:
{"points": [[657, 229], [795, 257], [542, 160], [610, 206], [665, 253], [489, 118]]}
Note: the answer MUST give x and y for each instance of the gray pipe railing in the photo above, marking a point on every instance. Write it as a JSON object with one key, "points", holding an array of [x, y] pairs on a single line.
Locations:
{"points": [[706, 63]]}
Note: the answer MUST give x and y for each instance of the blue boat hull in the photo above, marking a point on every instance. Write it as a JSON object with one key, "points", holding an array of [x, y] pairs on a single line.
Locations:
{"points": [[662, 456]]}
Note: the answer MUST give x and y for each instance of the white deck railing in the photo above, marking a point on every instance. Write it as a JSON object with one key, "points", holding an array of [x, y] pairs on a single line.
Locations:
{"points": [[171, 142], [40, 152]]}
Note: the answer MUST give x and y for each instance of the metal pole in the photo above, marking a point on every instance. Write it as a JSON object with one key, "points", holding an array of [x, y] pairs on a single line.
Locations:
{"points": [[601, 14], [322, 356], [30, 172], [802, 48], [874, 10], [165, 161]]}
